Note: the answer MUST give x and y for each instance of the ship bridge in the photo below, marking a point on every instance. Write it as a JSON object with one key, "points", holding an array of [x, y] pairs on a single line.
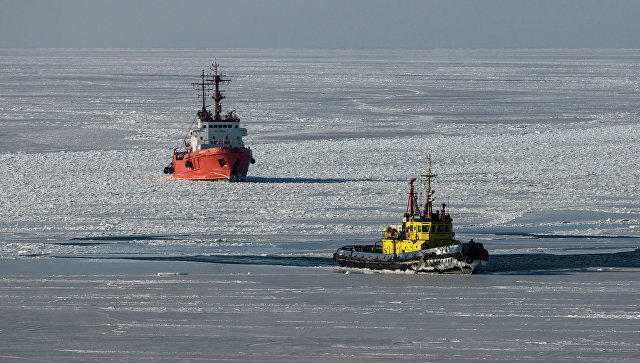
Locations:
{"points": [[210, 134]]}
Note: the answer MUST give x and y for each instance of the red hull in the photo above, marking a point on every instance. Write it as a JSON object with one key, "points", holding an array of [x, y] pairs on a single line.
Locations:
{"points": [[217, 163]]}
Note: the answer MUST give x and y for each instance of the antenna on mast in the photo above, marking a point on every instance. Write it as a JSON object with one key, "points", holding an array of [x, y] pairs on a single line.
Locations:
{"points": [[203, 114], [203, 95], [429, 191]]}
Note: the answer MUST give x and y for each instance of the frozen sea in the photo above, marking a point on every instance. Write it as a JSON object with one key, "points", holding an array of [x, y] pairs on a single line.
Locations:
{"points": [[104, 257]]}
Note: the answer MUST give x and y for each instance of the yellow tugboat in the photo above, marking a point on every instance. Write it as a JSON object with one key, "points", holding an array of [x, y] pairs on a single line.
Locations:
{"points": [[424, 242]]}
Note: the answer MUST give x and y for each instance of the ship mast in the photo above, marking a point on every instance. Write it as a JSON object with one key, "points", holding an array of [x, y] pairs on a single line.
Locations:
{"points": [[218, 96], [203, 114], [430, 192], [204, 107]]}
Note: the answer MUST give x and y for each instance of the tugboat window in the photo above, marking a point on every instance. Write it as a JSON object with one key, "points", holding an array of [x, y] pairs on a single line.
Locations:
{"points": [[420, 229], [448, 229], [440, 228], [425, 229]]}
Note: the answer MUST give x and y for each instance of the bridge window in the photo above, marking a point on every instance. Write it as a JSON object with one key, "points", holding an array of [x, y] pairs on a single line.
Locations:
{"points": [[425, 229], [420, 229], [448, 228], [440, 228]]}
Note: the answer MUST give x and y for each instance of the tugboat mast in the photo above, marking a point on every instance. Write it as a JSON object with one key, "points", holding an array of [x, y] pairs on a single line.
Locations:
{"points": [[203, 114], [430, 198], [218, 96]]}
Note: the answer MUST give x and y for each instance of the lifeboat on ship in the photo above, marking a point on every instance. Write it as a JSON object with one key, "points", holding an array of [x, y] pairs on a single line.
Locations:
{"points": [[214, 150], [424, 242]]}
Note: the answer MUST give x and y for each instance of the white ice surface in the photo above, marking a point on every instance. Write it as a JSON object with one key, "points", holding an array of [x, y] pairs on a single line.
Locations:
{"points": [[543, 139], [317, 189], [536, 152]]}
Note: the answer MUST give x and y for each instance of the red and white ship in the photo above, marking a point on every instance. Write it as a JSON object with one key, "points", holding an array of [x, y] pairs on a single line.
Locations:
{"points": [[215, 150]]}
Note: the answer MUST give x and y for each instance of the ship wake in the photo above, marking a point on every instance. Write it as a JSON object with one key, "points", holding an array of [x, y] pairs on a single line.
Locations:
{"points": [[543, 263], [527, 263]]}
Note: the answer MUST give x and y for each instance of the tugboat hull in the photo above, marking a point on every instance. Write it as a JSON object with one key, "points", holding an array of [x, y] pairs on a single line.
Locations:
{"points": [[457, 259], [213, 164]]}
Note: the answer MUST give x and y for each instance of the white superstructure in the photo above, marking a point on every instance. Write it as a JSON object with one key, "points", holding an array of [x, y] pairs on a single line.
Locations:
{"points": [[225, 133]]}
